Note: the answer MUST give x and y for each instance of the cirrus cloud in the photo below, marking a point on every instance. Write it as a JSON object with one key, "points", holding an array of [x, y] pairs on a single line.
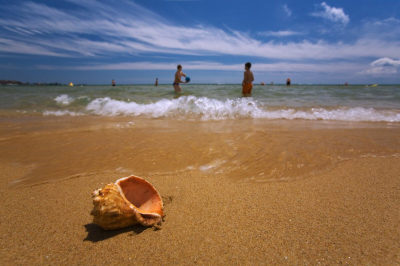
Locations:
{"points": [[282, 33], [287, 10], [332, 13], [100, 29]]}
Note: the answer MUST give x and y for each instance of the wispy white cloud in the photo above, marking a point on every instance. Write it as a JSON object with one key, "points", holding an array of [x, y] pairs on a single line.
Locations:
{"points": [[386, 62], [101, 29], [383, 29], [207, 65], [138, 30], [383, 66], [332, 13], [388, 21], [287, 10], [283, 33], [22, 31], [11, 46], [380, 71], [25, 31], [13, 30]]}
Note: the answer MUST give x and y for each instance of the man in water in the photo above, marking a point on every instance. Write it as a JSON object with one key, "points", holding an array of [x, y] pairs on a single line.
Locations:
{"points": [[156, 82], [288, 82], [178, 76], [248, 78], [113, 83]]}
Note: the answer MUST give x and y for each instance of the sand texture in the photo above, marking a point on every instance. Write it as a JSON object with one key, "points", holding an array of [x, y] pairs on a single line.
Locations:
{"points": [[346, 216]]}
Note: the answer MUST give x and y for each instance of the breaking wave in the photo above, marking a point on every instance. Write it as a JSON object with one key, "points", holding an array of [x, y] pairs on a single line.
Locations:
{"points": [[192, 107], [63, 100]]}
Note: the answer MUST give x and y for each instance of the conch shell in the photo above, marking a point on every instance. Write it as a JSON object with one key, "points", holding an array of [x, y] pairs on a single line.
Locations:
{"points": [[130, 200]]}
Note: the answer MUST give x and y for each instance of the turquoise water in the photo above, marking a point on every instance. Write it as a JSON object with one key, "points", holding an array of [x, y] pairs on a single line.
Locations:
{"points": [[208, 102]]}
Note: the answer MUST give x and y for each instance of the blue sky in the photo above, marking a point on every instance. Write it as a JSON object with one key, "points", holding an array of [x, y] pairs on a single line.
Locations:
{"points": [[136, 41]]}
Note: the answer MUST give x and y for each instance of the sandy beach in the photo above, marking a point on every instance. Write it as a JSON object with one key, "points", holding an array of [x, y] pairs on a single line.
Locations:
{"points": [[347, 214]]}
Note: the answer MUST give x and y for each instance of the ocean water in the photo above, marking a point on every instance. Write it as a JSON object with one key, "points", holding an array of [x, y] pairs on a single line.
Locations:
{"points": [[279, 134], [207, 102]]}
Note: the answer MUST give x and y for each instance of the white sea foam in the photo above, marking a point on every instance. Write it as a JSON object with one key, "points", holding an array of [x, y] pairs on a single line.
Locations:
{"points": [[183, 107], [341, 114], [203, 108], [63, 99], [62, 113]]}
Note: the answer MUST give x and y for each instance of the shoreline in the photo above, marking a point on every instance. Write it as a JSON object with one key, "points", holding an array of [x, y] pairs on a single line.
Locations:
{"points": [[347, 215], [208, 102], [247, 149], [55, 84]]}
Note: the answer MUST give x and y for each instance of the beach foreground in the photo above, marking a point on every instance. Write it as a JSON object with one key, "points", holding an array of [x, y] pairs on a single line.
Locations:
{"points": [[347, 216], [347, 212]]}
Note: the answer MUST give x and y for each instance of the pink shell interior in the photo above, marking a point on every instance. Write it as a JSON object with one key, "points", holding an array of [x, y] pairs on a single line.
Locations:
{"points": [[141, 194]]}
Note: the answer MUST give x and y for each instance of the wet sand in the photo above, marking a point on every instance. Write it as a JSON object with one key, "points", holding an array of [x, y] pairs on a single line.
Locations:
{"points": [[255, 150], [347, 213]]}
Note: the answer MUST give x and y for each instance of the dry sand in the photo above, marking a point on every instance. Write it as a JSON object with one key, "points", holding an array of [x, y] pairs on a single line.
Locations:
{"points": [[349, 215]]}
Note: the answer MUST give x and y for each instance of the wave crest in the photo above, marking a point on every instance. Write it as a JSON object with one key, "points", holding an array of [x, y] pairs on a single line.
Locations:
{"points": [[189, 107]]}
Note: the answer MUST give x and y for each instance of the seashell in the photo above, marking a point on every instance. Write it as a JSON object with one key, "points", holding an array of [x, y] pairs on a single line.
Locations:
{"points": [[130, 200]]}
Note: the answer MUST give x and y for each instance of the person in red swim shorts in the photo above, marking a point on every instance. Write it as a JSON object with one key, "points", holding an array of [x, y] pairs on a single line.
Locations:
{"points": [[248, 78]]}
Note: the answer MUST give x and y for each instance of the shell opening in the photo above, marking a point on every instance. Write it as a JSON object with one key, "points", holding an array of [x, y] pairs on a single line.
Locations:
{"points": [[141, 194]]}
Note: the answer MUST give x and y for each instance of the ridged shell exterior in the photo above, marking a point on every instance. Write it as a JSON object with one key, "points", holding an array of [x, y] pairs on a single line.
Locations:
{"points": [[113, 210]]}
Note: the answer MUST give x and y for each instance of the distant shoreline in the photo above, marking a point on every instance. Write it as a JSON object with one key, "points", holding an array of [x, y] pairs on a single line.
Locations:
{"points": [[18, 83]]}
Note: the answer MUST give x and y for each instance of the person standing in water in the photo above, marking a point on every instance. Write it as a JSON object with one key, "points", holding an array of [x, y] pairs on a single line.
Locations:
{"points": [[248, 78], [156, 82], [288, 81], [178, 76], [113, 83]]}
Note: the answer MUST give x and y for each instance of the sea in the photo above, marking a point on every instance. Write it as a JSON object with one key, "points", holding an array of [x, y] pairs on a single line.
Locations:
{"points": [[280, 133], [208, 102]]}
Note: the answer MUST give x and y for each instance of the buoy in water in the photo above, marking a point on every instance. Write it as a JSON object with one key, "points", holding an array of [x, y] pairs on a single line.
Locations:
{"points": [[71, 84]]}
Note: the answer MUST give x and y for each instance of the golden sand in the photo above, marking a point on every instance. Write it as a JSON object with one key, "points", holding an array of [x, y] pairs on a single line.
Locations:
{"points": [[348, 216], [347, 213]]}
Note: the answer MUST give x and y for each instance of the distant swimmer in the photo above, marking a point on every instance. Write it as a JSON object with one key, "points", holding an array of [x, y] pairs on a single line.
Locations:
{"points": [[262, 83], [248, 78], [113, 83], [156, 82], [178, 76], [288, 81], [272, 83], [346, 84]]}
